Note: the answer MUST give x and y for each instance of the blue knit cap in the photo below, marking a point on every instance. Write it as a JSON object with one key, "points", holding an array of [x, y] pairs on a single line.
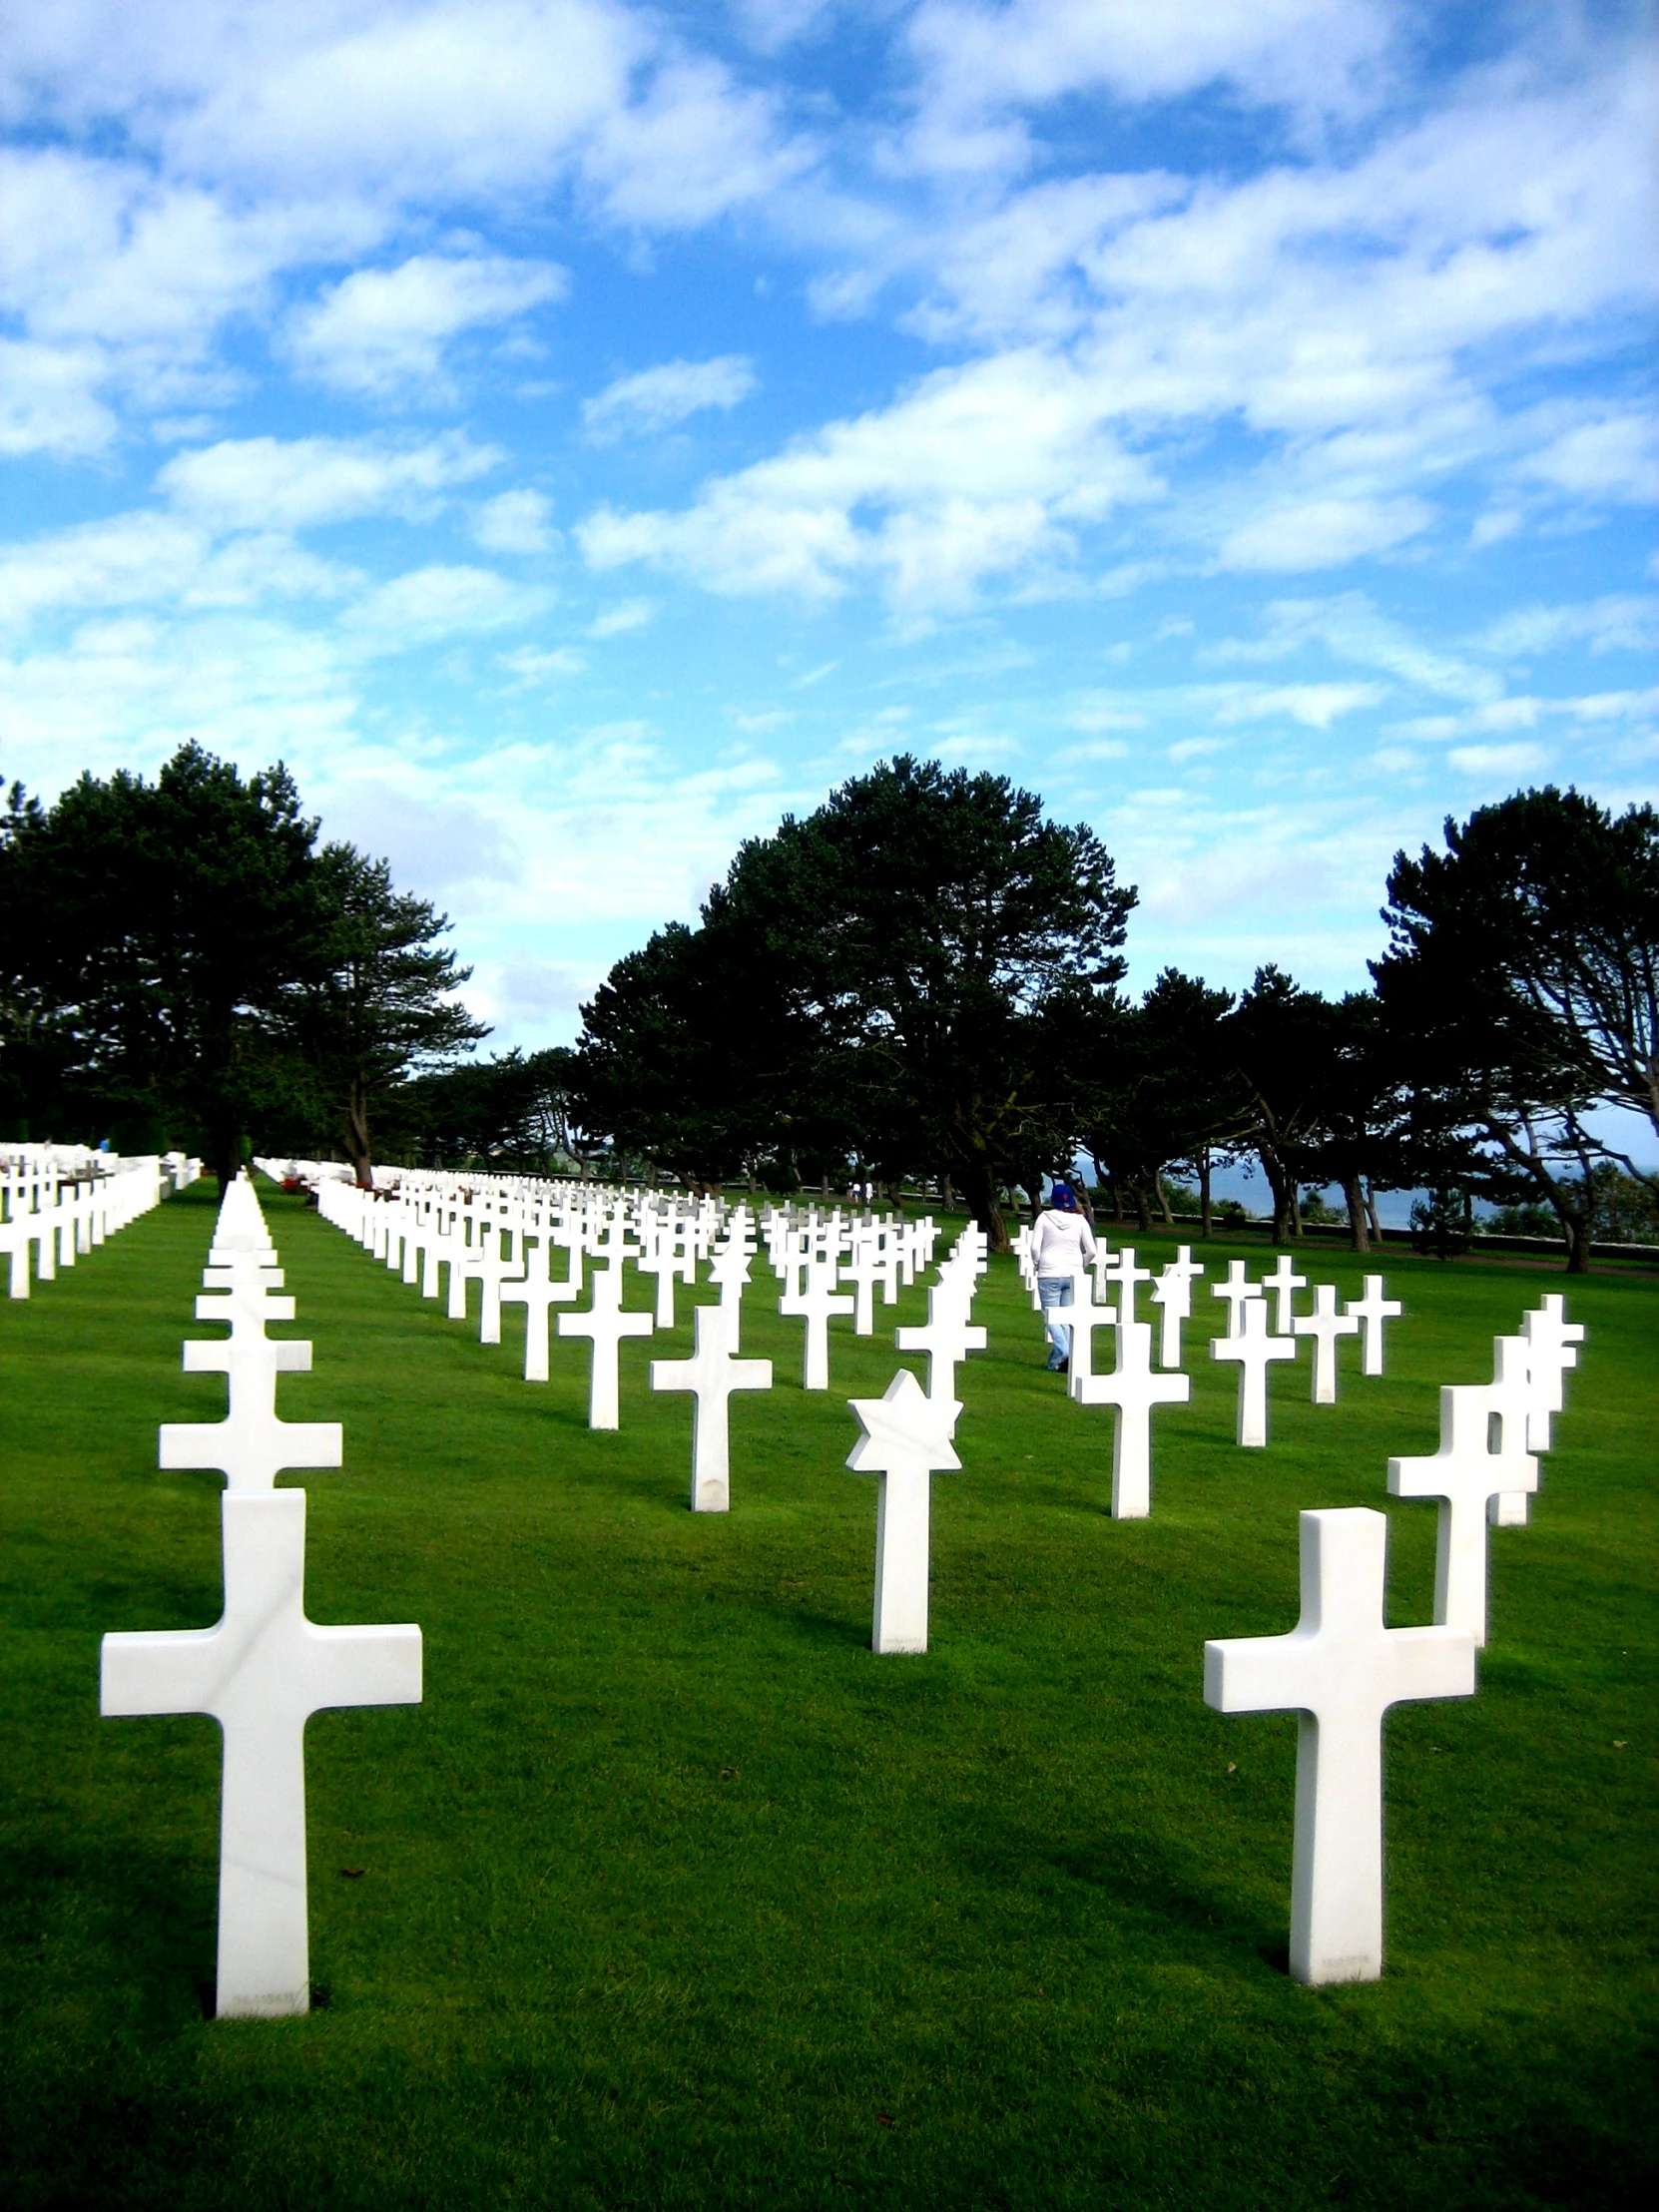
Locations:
{"points": [[1064, 1197]]}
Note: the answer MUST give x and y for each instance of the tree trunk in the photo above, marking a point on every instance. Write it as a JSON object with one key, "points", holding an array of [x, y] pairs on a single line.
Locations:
{"points": [[1355, 1214], [1281, 1190], [1297, 1229], [1164, 1205], [1372, 1217], [1143, 1206], [356, 1133], [1206, 1220], [947, 1194], [1577, 1231], [979, 1188]]}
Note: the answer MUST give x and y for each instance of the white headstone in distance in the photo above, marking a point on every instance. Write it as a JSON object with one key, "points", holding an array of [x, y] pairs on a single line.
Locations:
{"points": [[1134, 1389], [817, 1304], [260, 1673], [949, 1337], [1238, 1291], [606, 1325], [1284, 1283], [1173, 1295], [252, 1445], [1253, 1349], [713, 1373], [1324, 1325], [1464, 1474], [1338, 1670], [1122, 1271], [538, 1290], [1371, 1311], [905, 1442]]}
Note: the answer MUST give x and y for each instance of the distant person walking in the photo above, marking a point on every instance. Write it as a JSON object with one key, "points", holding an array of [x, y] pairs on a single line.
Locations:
{"points": [[1061, 1244]]}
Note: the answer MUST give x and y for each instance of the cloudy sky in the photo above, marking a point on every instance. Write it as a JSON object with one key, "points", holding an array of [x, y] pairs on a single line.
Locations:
{"points": [[572, 434]]}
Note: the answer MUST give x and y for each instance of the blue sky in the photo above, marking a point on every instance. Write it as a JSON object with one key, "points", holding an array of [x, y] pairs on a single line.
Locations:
{"points": [[573, 434]]}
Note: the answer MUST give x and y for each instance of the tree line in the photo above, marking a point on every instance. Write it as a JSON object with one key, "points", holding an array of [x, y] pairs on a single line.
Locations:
{"points": [[923, 981], [183, 962]]}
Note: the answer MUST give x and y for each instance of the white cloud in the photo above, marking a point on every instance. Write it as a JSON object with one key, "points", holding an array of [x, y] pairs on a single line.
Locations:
{"points": [[146, 559], [300, 483], [976, 471], [1323, 533], [618, 621], [515, 522], [1615, 458], [1621, 622], [1314, 706], [655, 398], [49, 399], [531, 665], [380, 330], [440, 600], [1498, 760]]}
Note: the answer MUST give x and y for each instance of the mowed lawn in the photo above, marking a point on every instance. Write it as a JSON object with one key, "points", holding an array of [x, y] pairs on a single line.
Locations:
{"points": [[672, 1893]]}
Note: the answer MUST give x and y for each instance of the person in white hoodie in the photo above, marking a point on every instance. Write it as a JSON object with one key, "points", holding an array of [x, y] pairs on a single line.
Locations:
{"points": [[1062, 1242]]}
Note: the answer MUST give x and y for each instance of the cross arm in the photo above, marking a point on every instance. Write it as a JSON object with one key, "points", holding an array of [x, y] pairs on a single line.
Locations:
{"points": [[160, 1671], [1261, 1674], [361, 1666]]}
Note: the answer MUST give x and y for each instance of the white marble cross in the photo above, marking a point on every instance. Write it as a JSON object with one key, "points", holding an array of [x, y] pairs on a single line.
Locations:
{"points": [[1172, 1294], [1371, 1311], [816, 1302], [251, 1447], [1122, 1271], [538, 1289], [949, 1337], [1253, 1349], [260, 1674], [1284, 1283], [657, 1258], [1238, 1291], [729, 1270], [713, 1373], [1516, 1388], [1338, 1670], [606, 1325], [1551, 1343], [1134, 1389], [1324, 1325], [1080, 1320], [1465, 1474], [493, 1270], [905, 1442], [863, 1271]]}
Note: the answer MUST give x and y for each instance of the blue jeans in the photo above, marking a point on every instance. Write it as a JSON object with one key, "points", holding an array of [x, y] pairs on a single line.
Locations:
{"points": [[1052, 1291]]}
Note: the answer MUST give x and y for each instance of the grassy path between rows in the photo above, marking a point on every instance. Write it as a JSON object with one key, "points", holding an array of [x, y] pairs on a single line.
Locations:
{"points": [[673, 1895]]}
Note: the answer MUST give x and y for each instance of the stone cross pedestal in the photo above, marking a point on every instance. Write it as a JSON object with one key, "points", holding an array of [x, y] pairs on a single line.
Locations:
{"points": [[1324, 1325], [494, 1271], [606, 1325], [713, 1373], [1254, 1350], [261, 1673], [1238, 1291], [252, 1445], [1173, 1295], [947, 1339], [657, 1258], [1134, 1389], [905, 1442], [1465, 1474], [1338, 1670], [537, 1292], [1284, 1283], [1371, 1311], [816, 1302]]}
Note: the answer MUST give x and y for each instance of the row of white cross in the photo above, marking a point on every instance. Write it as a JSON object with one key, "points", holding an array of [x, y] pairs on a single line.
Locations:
{"points": [[58, 1203], [263, 1669], [1340, 1669]]}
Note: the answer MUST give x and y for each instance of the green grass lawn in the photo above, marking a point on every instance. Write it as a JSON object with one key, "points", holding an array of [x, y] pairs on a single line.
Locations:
{"points": [[674, 1895]]}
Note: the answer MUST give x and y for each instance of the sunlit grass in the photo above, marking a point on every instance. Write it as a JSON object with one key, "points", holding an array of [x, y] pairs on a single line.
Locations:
{"points": [[674, 1895]]}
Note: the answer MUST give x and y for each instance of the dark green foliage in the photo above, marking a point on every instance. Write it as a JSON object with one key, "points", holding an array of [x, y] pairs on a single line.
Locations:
{"points": [[674, 1896], [1521, 989]]}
